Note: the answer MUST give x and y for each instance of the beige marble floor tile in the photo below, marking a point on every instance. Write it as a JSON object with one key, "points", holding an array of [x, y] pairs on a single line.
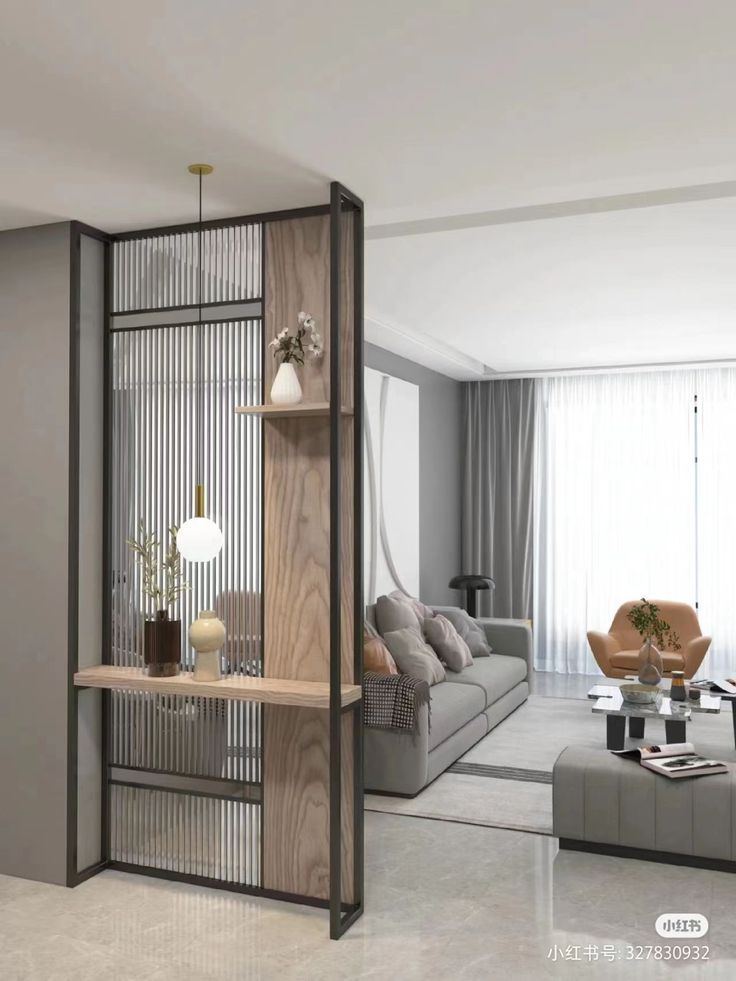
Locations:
{"points": [[443, 901]]}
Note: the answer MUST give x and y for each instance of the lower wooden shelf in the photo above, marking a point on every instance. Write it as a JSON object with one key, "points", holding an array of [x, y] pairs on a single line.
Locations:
{"points": [[273, 691]]}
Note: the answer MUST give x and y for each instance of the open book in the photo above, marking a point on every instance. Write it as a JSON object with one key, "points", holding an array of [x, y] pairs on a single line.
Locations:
{"points": [[726, 687], [674, 760]]}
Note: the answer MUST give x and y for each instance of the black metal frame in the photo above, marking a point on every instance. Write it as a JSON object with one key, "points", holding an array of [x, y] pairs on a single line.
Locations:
{"points": [[342, 915], [76, 230]]}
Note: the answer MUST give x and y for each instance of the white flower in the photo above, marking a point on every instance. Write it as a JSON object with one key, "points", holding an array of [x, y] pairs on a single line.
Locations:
{"points": [[309, 323], [302, 316], [274, 342], [282, 334]]}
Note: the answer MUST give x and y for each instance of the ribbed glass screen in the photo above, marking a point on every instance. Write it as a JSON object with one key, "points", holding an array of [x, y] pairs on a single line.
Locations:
{"points": [[163, 270], [166, 385]]}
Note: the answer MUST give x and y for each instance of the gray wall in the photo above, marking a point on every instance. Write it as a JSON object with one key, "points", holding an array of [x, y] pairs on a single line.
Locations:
{"points": [[440, 430], [34, 482], [44, 774]]}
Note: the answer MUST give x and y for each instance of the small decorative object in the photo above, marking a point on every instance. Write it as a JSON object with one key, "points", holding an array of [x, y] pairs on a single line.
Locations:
{"points": [[650, 626], [207, 635], [677, 691], [161, 635], [650, 663], [290, 349], [639, 694], [693, 694]]}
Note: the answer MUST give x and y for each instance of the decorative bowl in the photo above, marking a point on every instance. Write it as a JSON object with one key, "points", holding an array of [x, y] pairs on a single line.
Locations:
{"points": [[640, 694]]}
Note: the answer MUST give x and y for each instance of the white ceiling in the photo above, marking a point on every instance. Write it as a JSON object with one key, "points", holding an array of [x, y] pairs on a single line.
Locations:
{"points": [[650, 285], [426, 108]]}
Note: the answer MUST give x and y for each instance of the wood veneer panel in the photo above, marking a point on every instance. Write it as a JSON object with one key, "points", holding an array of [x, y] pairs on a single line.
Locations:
{"points": [[297, 549], [296, 809], [297, 573], [298, 278], [296, 802], [347, 807]]}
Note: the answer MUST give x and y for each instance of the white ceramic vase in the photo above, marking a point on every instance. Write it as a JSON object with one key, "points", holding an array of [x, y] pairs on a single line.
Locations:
{"points": [[207, 635], [286, 389]]}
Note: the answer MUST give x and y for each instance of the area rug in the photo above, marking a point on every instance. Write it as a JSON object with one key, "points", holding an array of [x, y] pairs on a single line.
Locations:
{"points": [[505, 780]]}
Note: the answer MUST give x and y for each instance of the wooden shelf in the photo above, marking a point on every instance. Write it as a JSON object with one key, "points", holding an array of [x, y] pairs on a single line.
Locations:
{"points": [[290, 411], [240, 688]]}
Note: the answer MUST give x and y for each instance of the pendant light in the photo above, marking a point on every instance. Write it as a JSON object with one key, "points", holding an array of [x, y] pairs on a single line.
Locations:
{"points": [[199, 539]]}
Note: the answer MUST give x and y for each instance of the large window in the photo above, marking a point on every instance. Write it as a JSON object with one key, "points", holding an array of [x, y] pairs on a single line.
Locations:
{"points": [[634, 497]]}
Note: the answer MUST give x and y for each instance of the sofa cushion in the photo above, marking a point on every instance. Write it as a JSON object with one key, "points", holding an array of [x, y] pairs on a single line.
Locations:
{"points": [[452, 707], [447, 643], [395, 612], [413, 656], [376, 656], [629, 661], [495, 675], [470, 631]]}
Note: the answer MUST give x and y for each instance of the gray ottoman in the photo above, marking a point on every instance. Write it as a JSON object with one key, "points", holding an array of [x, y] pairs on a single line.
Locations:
{"points": [[603, 803]]}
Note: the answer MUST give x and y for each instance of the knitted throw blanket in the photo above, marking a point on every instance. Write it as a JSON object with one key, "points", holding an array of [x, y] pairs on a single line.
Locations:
{"points": [[391, 701]]}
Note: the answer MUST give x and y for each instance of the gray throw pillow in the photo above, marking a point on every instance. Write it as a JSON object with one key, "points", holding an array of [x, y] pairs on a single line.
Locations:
{"points": [[395, 612], [448, 645], [470, 631], [413, 656]]}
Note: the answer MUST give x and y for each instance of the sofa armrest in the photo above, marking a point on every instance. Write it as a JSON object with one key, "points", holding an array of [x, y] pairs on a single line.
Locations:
{"points": [[396, 760], [693, 654], [512, 638]]}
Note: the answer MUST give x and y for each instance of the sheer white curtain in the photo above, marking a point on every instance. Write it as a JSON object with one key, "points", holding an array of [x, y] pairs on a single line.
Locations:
{"points": [[614, 504], [716, 391]]}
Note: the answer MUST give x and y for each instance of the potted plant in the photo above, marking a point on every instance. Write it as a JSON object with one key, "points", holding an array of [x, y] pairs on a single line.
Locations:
{"points": [[291, 349], [650, 626], [162, 587]]}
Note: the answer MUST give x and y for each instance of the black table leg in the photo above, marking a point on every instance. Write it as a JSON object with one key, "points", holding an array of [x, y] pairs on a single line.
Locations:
{"points": [[615, 731], [675, 730], [733, 717], [636, 727]]}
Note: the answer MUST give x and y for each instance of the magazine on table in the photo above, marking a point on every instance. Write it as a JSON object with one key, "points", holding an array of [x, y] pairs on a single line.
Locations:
{"points": [[674, 760], [725, 687]]}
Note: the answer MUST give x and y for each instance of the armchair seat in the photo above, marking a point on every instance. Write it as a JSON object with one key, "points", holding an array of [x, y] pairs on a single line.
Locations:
{"points": [[629, 661], [617, 652]]}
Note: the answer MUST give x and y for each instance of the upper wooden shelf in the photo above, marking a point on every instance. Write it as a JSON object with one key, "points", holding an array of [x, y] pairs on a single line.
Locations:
{"points": [[285, 411], [240, 688]]}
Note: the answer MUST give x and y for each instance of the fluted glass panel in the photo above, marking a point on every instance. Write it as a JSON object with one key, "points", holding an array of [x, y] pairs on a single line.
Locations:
{"points": [[162, 395], [163, 270]]}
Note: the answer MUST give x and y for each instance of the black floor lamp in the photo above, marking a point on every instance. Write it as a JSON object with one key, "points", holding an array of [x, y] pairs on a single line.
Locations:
{"points": [[471, 585]]}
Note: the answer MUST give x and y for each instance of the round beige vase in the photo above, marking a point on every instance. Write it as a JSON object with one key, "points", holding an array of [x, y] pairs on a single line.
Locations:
{"points": [[207, 635], [650, 664]]}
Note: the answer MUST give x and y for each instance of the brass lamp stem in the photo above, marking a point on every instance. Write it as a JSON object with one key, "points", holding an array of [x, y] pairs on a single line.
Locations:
{"points": [[199, 501]]}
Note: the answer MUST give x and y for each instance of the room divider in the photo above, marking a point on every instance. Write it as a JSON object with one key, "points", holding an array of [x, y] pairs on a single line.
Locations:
{"points": [[254, 782]]}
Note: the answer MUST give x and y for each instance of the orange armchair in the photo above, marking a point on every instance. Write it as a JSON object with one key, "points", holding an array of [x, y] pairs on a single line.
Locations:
{"points": [[617, 652]]}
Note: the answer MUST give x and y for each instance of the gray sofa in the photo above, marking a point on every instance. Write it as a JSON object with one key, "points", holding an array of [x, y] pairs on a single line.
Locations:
{"points": [[463, 709]]}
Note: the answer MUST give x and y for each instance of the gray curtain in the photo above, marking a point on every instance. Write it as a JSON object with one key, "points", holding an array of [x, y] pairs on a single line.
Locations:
{"points": [[498, 480]]}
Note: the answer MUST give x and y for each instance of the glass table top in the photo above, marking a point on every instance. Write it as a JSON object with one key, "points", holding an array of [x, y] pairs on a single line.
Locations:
{"points": [[610, 701]]}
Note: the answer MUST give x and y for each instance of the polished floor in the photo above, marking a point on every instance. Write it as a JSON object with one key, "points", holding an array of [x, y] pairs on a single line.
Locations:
{"points": [[565, 685], [444, 901]]}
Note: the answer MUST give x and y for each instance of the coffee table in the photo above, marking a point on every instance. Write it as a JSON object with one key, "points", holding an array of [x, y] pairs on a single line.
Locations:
{"points": [[610, 702]]}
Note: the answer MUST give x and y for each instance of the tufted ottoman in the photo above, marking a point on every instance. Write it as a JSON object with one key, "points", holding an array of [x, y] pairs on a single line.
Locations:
{"points": [[603, 803]]}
